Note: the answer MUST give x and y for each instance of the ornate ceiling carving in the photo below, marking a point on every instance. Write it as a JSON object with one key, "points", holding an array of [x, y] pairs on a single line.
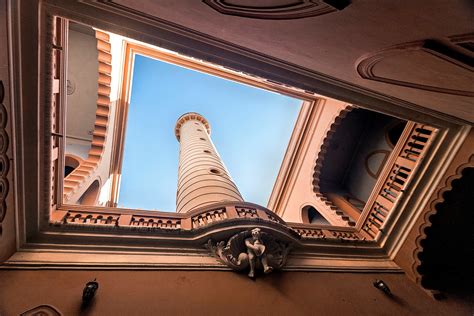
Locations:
{"points": [[276, 9], [42, 310], [433, 65]]}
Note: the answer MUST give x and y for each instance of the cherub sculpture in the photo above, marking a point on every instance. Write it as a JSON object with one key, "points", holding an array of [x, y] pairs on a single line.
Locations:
{"points": [[254, 249]]}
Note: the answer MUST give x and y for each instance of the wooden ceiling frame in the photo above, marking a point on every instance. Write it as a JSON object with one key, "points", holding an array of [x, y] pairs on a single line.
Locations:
{"points": [[133, 48]]}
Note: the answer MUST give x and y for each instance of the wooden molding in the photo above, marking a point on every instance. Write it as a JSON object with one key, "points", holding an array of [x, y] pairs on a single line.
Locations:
{"points": [[182, 260], [446, 53]]}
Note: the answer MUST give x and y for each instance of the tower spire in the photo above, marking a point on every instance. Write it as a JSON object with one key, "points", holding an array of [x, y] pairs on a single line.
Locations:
{"points": [[202, 176]]}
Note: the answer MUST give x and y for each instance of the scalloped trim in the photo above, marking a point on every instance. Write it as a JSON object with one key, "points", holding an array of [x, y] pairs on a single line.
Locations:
{"points": [[83, 174], [432, 211], [4, 161], [337, 121]]}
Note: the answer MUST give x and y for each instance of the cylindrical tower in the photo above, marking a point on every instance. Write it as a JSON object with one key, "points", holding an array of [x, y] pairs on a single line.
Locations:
{"points": [[202, 176]]}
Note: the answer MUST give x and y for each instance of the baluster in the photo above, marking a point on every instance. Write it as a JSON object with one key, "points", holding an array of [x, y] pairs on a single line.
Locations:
{"points": [[76, 218], [370, 229], [424, 130]]}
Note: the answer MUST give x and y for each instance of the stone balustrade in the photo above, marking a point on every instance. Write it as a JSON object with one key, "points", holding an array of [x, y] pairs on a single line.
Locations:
{"points": [[196, 220], [311, 232], [247, 212], [156, 221], [208, 217], [90, 218]]}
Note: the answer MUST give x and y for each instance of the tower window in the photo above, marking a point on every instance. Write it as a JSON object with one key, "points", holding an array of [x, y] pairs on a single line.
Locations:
{"points": [[70, 164], [91, 195], [215, 171]]}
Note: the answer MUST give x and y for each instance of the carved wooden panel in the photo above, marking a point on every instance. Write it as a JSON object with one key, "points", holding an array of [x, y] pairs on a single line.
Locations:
{"points": [[434, 65], [42, 310], [276, 9]]}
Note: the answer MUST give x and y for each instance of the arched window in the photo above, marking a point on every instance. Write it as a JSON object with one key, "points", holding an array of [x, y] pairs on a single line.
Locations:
{"points": [[312, 216], [91, 195], [70, 163]]}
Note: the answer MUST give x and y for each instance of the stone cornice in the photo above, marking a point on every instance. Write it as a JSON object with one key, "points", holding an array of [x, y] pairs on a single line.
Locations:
{"points": [[104, 260]]}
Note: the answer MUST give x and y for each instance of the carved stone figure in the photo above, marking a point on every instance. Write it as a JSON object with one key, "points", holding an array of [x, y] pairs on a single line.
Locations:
{"points": [[255, 251], [251, 248]]}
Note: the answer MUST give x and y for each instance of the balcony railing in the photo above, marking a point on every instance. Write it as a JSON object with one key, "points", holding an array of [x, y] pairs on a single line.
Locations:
{"points": [[230, 212], [395, 177], [312, 232]]}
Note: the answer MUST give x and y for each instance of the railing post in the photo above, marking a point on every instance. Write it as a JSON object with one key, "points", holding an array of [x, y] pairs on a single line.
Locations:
{"points": [[124, 220], [57, 216], [186, 223], [262, 214], [231, 212]]}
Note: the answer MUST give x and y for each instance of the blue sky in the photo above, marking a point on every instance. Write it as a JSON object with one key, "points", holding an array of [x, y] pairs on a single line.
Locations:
{"points": [[250, 128]]}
